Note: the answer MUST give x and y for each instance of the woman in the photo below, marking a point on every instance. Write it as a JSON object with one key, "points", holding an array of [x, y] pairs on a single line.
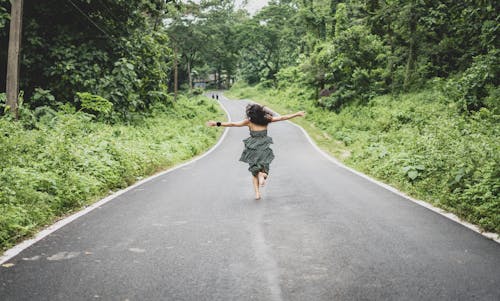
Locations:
{"points": [[257, 152]]}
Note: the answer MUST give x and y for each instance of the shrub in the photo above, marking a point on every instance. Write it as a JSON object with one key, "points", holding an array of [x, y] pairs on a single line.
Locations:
{"points": [[94, 103], [472, 88], [42, 97], [120, 88], [197, 91], [352, 66]]}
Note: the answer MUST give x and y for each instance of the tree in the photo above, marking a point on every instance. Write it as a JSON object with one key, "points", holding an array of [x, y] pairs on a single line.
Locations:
{"points": [[218, 25], [71, 46], [268, 42], [185, 30], [12, 87]]}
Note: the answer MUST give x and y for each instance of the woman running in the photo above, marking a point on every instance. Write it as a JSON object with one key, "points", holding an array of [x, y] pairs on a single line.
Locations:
{"points": [[257, 152]]}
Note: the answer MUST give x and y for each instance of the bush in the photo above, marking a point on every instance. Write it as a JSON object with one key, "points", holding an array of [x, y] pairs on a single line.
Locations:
{"points": [[94, 103], [293, 75], [42, 97], [197, 91], [352, 66], [74, 68], [472, 89], [121, 89]]}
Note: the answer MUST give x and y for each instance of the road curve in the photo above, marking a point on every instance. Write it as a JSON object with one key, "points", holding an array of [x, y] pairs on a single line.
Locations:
{"points": [[319, 233]]}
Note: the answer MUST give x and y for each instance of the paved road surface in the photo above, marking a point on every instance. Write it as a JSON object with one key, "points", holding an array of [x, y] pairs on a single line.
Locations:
{"points": [[319, 233]]}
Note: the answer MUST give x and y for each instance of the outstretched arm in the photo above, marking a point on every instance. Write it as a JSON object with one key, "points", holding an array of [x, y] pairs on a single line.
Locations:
{"points": [[243, 122], [288, 116]]}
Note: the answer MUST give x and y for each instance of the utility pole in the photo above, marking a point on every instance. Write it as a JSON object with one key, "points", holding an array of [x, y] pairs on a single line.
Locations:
{"points": [[176, 73], [12, 89]]}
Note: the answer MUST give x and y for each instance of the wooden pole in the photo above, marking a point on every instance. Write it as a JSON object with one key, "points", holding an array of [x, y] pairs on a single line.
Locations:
{"points": [[176, 73], [189, 74], [12, 89]]}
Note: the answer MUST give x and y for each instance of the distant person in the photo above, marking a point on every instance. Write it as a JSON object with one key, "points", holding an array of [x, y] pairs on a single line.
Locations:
{"points": [[217, 96], [257, 152], [213, 96]]}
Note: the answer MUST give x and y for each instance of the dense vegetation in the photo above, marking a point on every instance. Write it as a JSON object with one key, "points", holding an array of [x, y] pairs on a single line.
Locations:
{"points": [[96, 112], [62, 161], [107, 48], [348, 51], [405, 90]]}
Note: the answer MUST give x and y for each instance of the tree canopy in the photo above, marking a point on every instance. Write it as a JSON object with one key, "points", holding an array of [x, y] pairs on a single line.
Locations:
{"points": [[347, 50], [115, 49]]}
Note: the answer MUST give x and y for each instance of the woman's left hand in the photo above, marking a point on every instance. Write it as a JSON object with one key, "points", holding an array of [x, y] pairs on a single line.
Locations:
{"points": [[211, 123]]}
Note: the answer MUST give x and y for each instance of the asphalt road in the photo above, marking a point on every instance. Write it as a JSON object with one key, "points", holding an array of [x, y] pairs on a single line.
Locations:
{"points": [[319, 233]]}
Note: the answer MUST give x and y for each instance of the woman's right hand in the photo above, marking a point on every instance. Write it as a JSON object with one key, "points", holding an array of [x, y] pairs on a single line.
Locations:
{"points": [[211, 123]]}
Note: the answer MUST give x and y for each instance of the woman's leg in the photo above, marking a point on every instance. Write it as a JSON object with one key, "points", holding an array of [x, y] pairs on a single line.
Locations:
{"points": [[256, 187], [262, 176]]}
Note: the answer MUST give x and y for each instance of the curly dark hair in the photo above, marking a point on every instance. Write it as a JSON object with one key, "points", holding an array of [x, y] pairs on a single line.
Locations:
{"points": [[258, 114]]}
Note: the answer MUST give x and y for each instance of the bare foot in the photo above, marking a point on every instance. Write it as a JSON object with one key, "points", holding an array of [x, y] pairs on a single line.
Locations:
{"points": [[257, 196], [262, 178]]}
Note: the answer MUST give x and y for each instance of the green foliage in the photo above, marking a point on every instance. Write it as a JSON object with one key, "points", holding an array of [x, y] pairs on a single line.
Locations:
{"points": [[3, 100], [267, 43], [65, 52], [352, 66], [341, 19], [417, 142], [197, 91], [4, 15], [94, 103], [219, 29], [189, 38], [151, 61], [121, 88], [74, 68], [472, 88], [411, 171], [293, 75], [67, 160], [42, 97], [355, 50]]}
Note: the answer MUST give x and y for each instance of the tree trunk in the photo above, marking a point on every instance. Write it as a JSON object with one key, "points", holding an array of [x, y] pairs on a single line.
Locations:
{"points": [[218, 78], [189, 74], [333, 10], [410, 64], [390, 61], [12, 80], [176, 74]]}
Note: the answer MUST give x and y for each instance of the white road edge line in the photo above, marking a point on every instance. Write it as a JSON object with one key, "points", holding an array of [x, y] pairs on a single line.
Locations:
{"points": [[451, 216], [10, 253]]}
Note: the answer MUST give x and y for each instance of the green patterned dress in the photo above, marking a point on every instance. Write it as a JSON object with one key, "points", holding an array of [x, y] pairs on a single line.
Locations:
{"points": [[257, 152]]}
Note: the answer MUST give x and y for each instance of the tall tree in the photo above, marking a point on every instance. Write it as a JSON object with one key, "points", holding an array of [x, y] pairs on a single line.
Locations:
{"points": [[185, 29], [104, 47], [219, 22], [12, 87], [268, 41]]}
